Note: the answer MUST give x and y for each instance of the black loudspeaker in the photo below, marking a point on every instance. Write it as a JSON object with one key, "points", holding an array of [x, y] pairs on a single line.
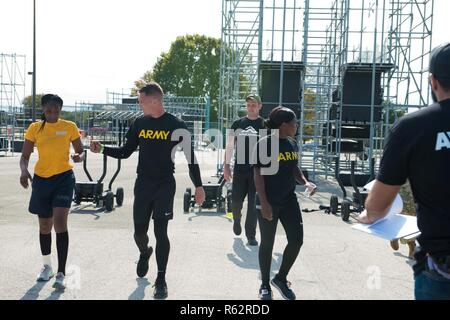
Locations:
{"points": [[360, 179], [347, 133], [348, 146], [353, 132], [270, 72], [357, 93]]}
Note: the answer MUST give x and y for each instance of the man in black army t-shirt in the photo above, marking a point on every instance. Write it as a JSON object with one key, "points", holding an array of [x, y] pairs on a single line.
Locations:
{"points": [[156, 133], [418, 149], [244, 135]]}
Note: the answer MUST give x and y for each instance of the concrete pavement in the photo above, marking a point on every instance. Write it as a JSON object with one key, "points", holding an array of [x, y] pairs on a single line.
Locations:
{"points": [[207, 261]]}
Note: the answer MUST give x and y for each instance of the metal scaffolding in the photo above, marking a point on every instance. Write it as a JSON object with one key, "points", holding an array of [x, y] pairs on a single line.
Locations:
{"points": [[387, 43], [108, 120], [341, 44], [12, 93], [323, 55], [255, 35]]}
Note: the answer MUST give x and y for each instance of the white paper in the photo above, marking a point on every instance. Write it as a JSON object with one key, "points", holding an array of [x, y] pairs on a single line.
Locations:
{"points": [[396, 207], [394, 225]]}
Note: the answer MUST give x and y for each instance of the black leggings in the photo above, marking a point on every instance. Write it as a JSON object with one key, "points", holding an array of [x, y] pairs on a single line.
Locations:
{"points": [[243, 186], [291, 219], [162, 240], [153, 199]]}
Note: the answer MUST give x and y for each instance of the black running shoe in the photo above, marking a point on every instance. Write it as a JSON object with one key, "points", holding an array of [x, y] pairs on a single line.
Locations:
{"points": [[237, 227], [142, 265], [265, 293], [160, 291], [252, 242], [284, 288]]}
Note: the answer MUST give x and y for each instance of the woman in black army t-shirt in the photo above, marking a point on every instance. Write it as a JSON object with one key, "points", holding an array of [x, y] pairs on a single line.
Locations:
{"points": [[276, 200]]}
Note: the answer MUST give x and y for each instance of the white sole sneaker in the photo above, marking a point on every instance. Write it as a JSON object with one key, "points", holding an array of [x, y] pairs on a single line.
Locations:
{"points": [[44, 277], [41, 279]]}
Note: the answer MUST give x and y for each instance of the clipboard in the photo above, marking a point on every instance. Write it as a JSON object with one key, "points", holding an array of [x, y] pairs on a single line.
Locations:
{"points": [[395, 225]]}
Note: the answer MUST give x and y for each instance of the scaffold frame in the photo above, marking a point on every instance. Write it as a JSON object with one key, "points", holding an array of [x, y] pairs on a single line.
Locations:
{"points": [[388, 39]]}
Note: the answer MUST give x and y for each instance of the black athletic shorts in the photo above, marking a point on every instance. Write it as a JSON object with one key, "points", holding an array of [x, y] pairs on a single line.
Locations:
{"points": [[153, 197], [53, 192]]}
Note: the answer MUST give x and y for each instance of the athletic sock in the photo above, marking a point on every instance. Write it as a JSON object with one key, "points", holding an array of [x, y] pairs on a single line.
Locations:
{"points": [[62, 245], [46, 243], [47, 260]]}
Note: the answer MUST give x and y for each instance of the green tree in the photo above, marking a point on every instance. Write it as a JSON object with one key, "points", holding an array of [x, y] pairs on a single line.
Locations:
{"points": [[393, 114], [191, 67]]}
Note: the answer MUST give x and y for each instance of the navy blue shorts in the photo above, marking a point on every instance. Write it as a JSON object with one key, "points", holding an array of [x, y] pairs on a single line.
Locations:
{"points": [[49, 193]]}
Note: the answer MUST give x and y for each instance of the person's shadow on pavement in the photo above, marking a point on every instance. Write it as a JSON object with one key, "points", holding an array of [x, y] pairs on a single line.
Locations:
{"points": [[55, 295], [246, 257], [33, 292], [139, 292]]}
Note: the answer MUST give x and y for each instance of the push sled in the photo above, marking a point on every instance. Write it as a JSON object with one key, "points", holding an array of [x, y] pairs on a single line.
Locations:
{"points": [[214, 197], [93, 191]]}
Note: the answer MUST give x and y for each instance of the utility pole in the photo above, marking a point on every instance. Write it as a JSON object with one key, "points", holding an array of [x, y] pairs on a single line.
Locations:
{"points": [[33, 107]]}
